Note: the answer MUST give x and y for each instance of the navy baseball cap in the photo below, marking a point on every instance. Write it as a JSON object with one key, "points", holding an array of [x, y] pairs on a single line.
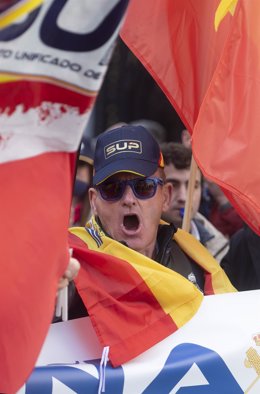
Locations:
{"points": [[126, 149]]}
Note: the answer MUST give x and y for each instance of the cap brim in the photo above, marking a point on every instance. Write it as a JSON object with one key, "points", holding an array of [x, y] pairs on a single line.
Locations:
{"points": [[138, 167]]}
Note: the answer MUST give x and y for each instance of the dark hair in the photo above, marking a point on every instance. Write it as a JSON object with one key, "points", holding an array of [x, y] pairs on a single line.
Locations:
{"points": [[176, 154]]}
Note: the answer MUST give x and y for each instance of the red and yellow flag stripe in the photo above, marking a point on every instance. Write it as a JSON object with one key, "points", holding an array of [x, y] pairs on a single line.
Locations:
{"points": [[18, 10]]}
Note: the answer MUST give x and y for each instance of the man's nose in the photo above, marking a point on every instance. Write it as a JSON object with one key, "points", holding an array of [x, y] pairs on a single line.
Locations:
{"points": [[182, 193], [128, 197]]}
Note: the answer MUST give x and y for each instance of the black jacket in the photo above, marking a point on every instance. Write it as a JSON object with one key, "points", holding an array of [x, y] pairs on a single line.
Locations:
{"points": [[171, 255], [242, 262]]}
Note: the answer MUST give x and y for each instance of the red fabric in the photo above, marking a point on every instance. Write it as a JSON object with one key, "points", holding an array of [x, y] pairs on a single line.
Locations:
{"points": [[211, 78], [175, 40], [34, 211], [124, 312], [226, 220], [12, 94], [228, 151]]}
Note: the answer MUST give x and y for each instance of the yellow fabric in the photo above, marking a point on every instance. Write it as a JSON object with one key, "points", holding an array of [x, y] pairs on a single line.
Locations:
{"points": [[11, 15], [224, 7], [194, 249]]}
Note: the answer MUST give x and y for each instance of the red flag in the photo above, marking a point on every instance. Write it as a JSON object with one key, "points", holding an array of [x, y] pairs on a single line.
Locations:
{"points": [[176, 41], [226, 136], [211, 78], [35, 201], [50, 74]]}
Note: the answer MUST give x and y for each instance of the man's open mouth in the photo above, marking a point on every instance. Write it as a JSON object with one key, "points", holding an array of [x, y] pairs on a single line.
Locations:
{"points": [[131, 222]]}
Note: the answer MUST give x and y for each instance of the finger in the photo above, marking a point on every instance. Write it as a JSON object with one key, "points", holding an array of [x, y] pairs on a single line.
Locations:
{"points": [[72, 269]]}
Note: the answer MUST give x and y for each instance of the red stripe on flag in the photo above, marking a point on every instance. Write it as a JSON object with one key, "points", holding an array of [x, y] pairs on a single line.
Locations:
{"points": [[208, 286], [31, 94]]}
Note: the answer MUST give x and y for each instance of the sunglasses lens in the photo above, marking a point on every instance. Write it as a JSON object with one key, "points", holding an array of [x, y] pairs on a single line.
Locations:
{"points": [[145, 188], [142, 188], [111, 191]]}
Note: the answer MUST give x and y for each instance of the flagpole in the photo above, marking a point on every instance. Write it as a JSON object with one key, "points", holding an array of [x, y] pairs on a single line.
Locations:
{"points": [[188, 205]]}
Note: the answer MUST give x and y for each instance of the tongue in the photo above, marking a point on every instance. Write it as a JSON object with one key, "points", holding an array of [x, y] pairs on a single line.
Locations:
{"points": [[131, 222]]}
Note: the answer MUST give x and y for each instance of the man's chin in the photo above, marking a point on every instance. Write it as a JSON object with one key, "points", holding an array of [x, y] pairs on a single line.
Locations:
{"points": [[177, 221], [133, 244]]}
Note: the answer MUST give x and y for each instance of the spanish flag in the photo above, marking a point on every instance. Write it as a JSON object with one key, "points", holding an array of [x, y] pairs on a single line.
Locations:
{"points": [[133, 301], [205, 57]]}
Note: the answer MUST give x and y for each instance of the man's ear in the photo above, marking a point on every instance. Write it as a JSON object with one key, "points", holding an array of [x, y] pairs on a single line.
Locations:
{"points": [[167, 194], [92, 195]]}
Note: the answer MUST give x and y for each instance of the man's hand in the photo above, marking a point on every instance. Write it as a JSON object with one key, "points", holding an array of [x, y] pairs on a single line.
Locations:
{"points": [[62, 291], [70, 273]]}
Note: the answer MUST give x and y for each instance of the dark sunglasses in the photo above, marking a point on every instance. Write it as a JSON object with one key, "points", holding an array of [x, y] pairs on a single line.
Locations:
{"points": [[142, 188]]}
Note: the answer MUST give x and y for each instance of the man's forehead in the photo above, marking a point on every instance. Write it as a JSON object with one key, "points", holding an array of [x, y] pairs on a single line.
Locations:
{"points": [[182, 175]]}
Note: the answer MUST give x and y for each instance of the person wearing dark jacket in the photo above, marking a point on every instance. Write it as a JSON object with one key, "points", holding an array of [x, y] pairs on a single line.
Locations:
{"points": [[242, 262], [177, 169]]}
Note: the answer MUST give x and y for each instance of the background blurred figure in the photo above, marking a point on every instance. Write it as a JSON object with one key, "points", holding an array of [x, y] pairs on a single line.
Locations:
{"points": [[118, 124], [177, 159], [80, 206], [242, 262], [155, 128], [220, 212], [186, 138]]}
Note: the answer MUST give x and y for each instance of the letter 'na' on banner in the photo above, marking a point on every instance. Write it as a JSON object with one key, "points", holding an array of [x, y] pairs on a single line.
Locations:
{"points": [[53, 58], [204, 56]]}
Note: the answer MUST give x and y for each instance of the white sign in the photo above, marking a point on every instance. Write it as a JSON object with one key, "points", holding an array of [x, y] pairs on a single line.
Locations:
{"points": [[216, 352]]}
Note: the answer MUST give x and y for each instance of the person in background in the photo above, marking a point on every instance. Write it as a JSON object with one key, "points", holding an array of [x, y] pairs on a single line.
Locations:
{"points": [[177, 159], [220, 211], [80, 206], [242, 262], [155, 128], [186, 138]]}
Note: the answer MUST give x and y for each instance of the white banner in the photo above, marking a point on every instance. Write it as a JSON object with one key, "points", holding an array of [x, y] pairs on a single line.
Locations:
{"points": [[216, 352], [52, 63], [77, 50]]}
